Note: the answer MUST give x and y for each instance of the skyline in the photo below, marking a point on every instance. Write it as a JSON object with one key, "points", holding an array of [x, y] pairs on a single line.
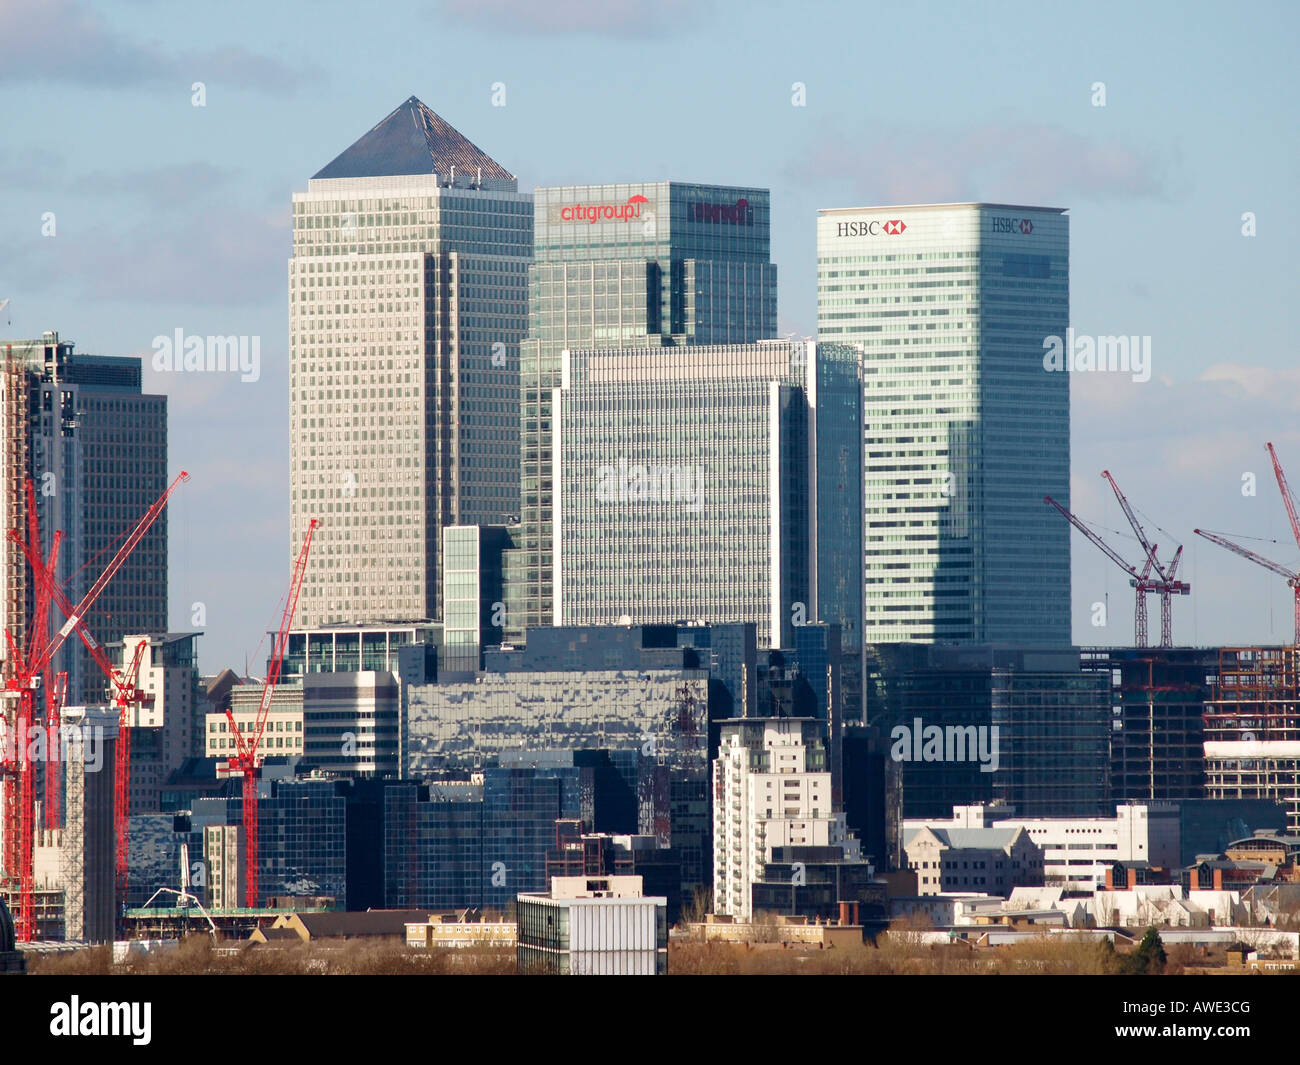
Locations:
{"points": [[182, 221]]}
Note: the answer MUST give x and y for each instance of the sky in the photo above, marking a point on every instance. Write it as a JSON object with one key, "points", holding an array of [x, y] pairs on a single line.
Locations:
{"points": [[1167, 129]]}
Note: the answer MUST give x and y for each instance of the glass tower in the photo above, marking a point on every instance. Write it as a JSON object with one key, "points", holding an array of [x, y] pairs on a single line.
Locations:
{"points": [[636, 265], [407, 301], [964, 430], [713, 483]]}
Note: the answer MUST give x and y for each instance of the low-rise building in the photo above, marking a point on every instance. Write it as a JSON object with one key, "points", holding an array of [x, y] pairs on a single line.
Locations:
{"points": [[459, 930], [987, 860], [596, 926]]}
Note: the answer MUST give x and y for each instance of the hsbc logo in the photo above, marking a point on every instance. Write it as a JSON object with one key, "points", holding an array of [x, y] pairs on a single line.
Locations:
{"points": [[1022, 226], [893, 228]]}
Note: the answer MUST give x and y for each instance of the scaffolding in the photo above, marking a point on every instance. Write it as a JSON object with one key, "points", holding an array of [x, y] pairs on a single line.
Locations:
{"points": [[1252, 728], [13, 571]]}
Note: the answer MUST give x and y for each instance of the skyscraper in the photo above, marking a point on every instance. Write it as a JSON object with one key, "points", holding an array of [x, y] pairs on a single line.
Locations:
{"points": [[407, 300], [718, 483], [964, 428], [96, 451], [635, 265]]}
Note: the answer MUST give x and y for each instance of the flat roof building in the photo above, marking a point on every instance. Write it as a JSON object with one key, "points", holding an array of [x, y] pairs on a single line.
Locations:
{"points": [[710, 482], [965, 429], [593, 926]]}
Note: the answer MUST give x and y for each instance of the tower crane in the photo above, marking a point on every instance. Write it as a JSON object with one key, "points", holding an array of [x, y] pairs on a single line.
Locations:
{"points": [[26, 671], [1288, 500], [1153, 577], [247, 759]]}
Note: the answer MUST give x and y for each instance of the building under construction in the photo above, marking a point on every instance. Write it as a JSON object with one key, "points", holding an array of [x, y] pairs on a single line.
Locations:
{"points": [[1252, 728], [84, 453], [1158, 697]]}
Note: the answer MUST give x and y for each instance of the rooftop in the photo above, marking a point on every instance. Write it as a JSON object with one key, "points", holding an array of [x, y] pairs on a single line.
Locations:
{"points": [[412, 140]]}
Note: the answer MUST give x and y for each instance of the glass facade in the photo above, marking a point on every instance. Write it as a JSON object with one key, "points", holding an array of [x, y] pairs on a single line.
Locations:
{"points": [[302, 832], [631, 265], [709, 484], [1053, 722], [964, 430], [660, 714]]}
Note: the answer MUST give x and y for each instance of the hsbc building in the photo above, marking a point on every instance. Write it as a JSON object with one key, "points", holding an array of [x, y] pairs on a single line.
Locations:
{"points": [[963, 431]]}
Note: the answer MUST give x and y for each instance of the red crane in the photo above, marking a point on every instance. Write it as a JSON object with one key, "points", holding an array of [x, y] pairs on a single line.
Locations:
{"points": [[26, 671], [247, 759], [126, 694], [1164, 583], [21, 681], [1288, 500]]}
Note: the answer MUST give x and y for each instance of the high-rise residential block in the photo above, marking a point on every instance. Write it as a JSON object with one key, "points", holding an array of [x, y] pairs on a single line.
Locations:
{"points": [[771, 789], [407, 301]]}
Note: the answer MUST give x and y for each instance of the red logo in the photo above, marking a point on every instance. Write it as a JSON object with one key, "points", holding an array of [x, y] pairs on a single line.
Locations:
{"points": [[738, 213], [894, 227], [599, 212], [1026, 226]]}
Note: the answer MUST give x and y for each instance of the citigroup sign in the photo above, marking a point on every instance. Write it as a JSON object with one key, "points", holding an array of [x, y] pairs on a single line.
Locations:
{"points": [[591, 213]]}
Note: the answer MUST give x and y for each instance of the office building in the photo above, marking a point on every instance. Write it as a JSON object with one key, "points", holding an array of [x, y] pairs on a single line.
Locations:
{"points": [[352, 722], [629, 265], [301, 839], [95, 448], [407, 301], [1252, 728], [976, 723], [284, 721], [820, 883], [474, 606], [621, 689], [771, 789], [965, 430], [1158, 697], [712, 483], [593, 926], [989, 861]]}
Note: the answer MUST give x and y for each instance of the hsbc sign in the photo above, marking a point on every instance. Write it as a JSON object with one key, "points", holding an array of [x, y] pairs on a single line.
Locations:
{"points": [[894, 227], [1002, 224]]}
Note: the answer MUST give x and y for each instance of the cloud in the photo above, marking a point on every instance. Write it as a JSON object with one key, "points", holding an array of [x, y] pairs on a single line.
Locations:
{"points": [[600, 18], [63, 41], [1001, 162], [160, 187], [1188, 453], [219, 256]]}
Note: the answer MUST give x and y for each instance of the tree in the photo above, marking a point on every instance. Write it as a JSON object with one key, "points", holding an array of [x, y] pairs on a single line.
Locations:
{"points": [[1149, 957]]}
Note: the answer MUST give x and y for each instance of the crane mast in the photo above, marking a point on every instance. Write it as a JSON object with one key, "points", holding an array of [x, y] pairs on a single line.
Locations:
{"points": [[247, 757]]}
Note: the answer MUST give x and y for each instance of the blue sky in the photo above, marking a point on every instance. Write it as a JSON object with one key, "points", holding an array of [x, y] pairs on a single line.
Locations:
{"points": [[173, 216]]}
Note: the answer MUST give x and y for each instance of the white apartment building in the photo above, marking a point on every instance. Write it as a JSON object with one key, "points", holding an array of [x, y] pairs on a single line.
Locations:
{"points": [[1077, 851], [284, 722], [165, 727], [771, 788]]}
